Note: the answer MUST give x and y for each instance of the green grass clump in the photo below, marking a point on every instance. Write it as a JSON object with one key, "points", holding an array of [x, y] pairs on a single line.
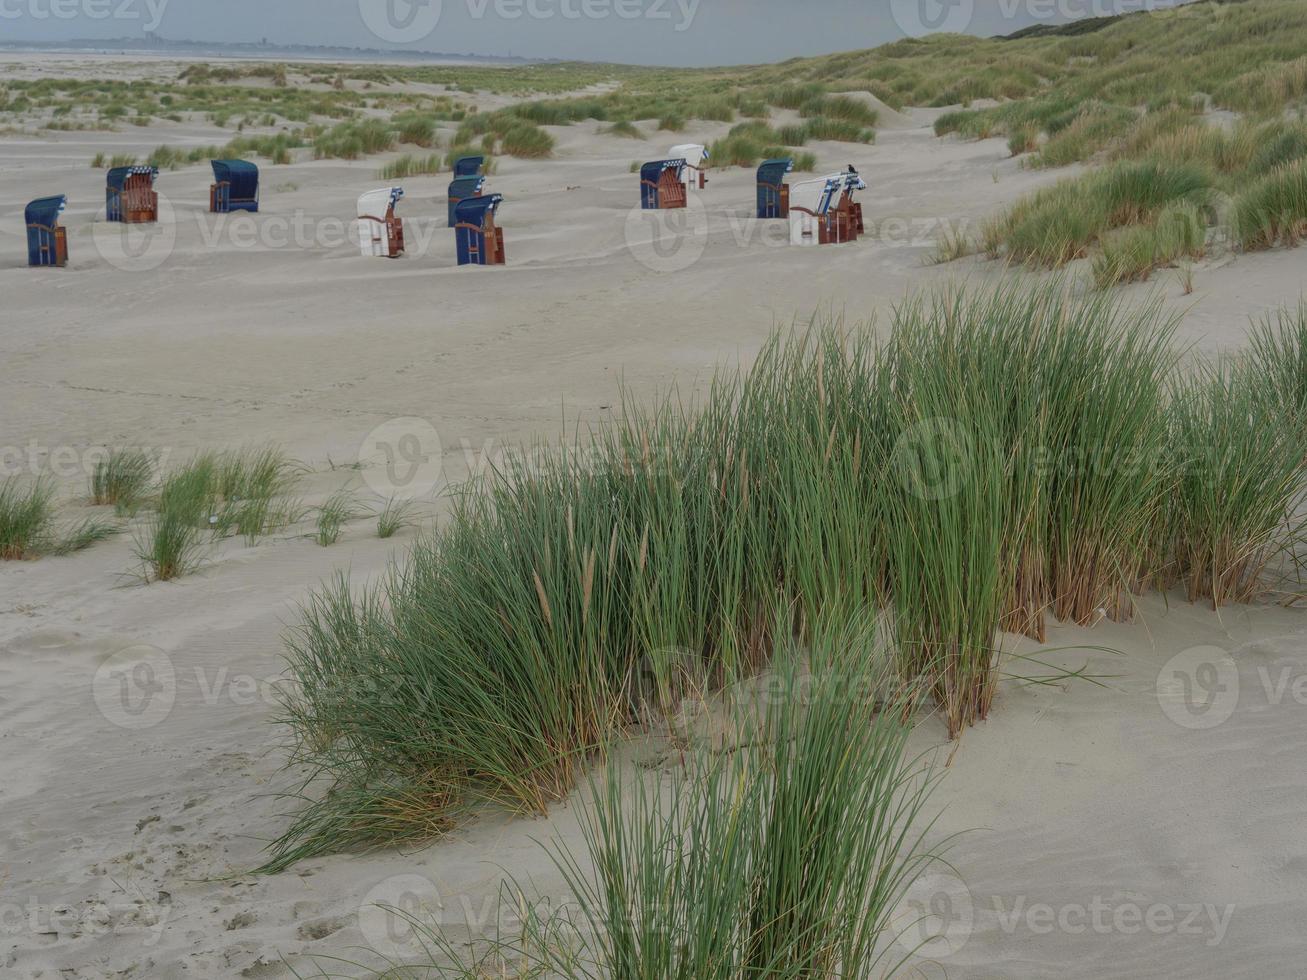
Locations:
{"points": [[792, 135], [415, 128], [745, 145], [1095, 125], [1024, 139], [1001, 456], [838, 130], [711, 108], [969, 123], [26, 518], [842, 108], [1179, 231], [166, 158], [1278, 350], [783, 857], [171, 541], [1062, 222], [122, 478], [411, 166], [784, 853], [527, 141], [1273, 210], [27, 528], [338, 510], [396, 515], [624, 128], [1241, 486], [245, 492], [351, 140], [1013, 432]]}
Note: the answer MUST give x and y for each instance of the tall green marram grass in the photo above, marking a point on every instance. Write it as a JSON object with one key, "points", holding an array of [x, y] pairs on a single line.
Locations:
{"points": [[782, 852], [246, 492], [783, 855], [26, 517], [1005, 455], [122, 478], [1277, 348], [1273, 210], [947, 522], [1060, 223], [1239, 499], [1065, 395], [27, 523]]}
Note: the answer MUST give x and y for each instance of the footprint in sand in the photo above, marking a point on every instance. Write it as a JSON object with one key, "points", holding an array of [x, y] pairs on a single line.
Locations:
{"points": [[321, 928]]}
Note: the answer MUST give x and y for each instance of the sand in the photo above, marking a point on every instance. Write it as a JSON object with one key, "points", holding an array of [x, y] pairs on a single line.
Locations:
{"points": [[1155, 848]]}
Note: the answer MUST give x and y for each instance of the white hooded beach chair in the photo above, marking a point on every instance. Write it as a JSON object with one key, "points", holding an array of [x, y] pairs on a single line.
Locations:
{"points": [[696, 157], [380, 231], [810, 202]]}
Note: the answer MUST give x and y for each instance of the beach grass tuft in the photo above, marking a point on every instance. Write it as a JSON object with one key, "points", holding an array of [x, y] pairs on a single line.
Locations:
{"points": [[338, 510], [396, 515], [122, 478], [244, 491], [26, 517]]}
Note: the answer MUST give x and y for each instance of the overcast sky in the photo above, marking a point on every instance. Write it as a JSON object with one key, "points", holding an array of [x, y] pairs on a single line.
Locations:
{"points": [[669, 32]]}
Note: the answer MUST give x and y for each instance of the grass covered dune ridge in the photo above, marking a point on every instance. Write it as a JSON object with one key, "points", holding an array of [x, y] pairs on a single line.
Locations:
{"points": [[1004, 455], [1066, 91]]}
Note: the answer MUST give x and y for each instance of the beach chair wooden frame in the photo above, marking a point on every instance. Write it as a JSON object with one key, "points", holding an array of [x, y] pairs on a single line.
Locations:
{"points": [[480, 242], [140, 201], [52, 247]]}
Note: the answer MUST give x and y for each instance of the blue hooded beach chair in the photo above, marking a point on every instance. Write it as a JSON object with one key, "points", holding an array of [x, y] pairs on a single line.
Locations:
{"points": [[129, 195], [461, 189], [479, 240], [773, 191], [662, 184], [47, 241], [235, 186]]}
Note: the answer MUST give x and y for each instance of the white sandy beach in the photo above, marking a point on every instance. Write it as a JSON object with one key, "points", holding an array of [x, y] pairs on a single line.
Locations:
{"points": [[1155, 847]]}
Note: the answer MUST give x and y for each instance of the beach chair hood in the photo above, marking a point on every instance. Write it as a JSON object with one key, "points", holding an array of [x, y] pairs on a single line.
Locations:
{"points": [[117, 177], [45, 211], [816, 195], [242, 175], [462, 187], [375, 204], [774, 171], [473, 210], [468, 166], [694, 154]]}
